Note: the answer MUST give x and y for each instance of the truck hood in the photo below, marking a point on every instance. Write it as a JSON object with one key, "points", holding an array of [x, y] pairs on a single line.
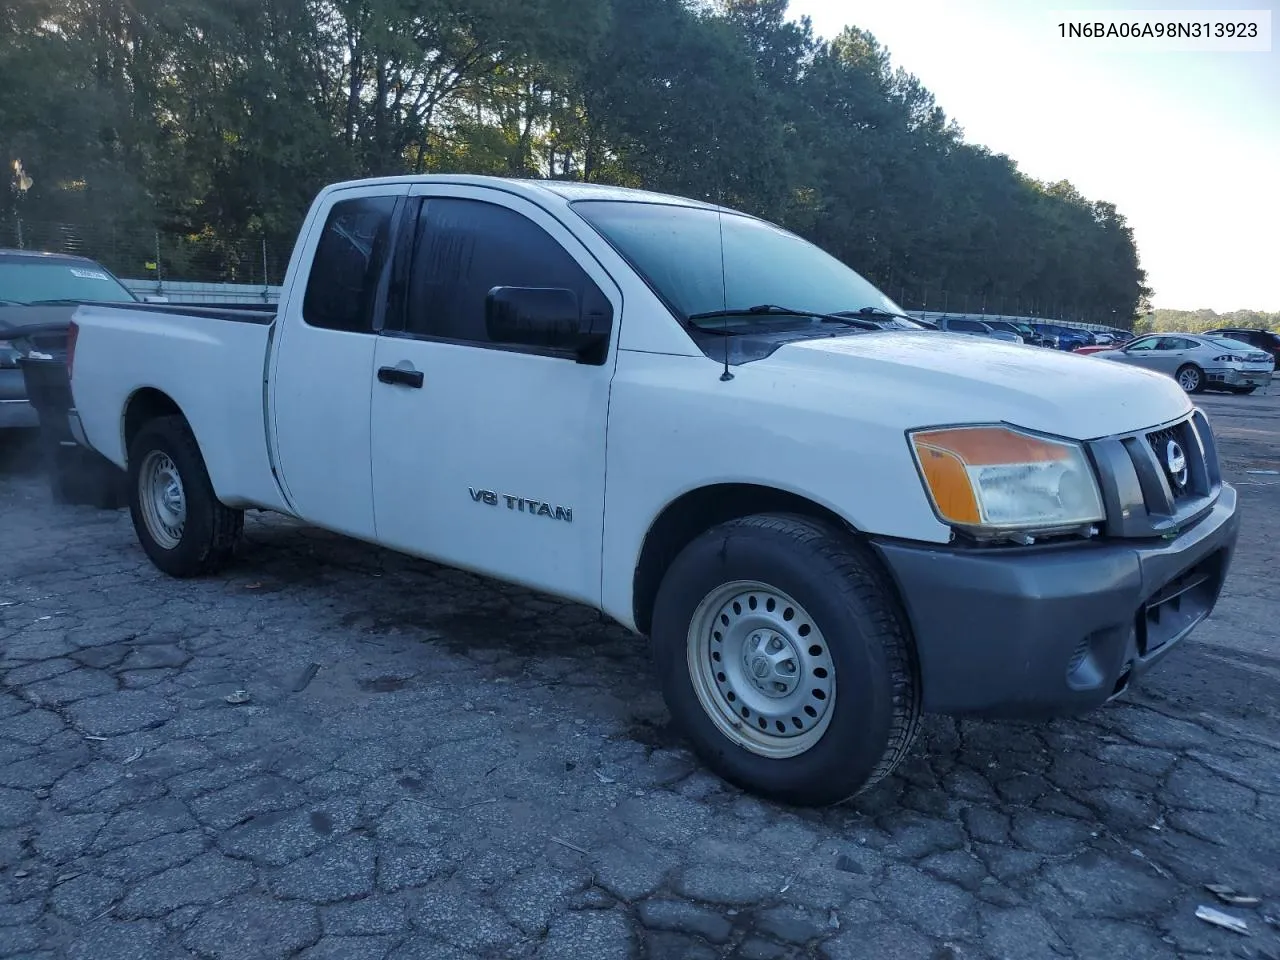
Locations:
{"points": [[932, 378]]}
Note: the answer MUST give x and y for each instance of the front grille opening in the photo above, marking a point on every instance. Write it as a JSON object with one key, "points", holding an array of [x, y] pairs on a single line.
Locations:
{"points": [[1180, 604]]}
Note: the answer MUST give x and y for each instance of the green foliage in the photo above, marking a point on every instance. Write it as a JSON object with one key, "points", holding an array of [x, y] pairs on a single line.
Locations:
{"points": [[1197, 321], [218, 120]]}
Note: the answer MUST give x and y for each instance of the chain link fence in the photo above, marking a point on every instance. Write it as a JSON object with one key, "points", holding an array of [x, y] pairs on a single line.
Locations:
{"points": [[154, 254]]}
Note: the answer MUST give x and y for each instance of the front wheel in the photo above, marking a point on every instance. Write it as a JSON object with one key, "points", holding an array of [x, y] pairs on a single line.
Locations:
{"points": [[1191, 378], [785, 658], [183, 527]]}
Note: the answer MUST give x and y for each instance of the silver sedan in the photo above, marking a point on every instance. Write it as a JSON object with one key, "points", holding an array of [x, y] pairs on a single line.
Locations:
{"points": [[1197, 361]]}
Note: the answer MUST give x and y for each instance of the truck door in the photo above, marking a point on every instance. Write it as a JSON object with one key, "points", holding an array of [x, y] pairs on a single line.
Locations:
{"points": [[489, 457], [322, 366]]}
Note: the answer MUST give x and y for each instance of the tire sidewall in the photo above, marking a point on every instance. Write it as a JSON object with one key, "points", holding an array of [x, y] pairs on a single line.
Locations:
{"points": [[861, 723], [166, 436]]}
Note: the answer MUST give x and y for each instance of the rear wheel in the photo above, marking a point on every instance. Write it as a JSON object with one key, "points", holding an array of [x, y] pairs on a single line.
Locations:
{"points": [[1191, 378], [784, 657], [183, 527]]}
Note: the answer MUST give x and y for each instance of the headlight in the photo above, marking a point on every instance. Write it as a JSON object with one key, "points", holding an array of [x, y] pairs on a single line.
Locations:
{"points": [[989, 480]]}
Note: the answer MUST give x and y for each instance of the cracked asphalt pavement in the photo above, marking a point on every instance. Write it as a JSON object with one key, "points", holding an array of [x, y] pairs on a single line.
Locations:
{"points": [[432, 765]]}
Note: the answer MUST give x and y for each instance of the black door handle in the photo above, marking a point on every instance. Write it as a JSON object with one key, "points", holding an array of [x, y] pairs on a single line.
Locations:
{"points": [[410, 378]]}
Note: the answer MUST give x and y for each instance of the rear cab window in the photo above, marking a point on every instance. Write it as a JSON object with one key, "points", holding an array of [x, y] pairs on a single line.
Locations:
{"points": [[347, 267]]}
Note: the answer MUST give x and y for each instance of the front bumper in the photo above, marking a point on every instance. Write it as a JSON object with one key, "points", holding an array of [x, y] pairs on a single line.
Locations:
{"points": [[1034, 632]]}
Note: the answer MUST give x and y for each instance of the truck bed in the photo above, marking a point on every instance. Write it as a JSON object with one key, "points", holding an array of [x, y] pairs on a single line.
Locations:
{"points": [[209, 360]]}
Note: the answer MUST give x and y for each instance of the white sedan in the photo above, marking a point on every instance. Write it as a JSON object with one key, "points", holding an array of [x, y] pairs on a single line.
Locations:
{"points": [[1197, 361]]}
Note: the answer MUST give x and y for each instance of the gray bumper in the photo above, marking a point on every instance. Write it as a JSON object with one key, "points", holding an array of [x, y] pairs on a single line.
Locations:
{"points": [[1032, 632], [18, 414], [1238, 378]]}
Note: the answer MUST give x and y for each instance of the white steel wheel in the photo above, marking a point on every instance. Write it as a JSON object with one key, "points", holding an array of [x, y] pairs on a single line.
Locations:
{"points": [[761, 669], [162, 498]]}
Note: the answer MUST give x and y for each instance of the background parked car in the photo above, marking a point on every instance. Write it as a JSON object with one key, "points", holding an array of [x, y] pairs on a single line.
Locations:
{"points": [[1067, 338], [1094, 348], [976, 328], [1261, 339], [1198, 362], [1022, 331], [38, 294]]}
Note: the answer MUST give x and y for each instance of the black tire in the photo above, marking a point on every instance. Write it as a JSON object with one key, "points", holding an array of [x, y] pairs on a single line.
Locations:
{"points": [[1193, 374], [211, 530], [876, 708]]}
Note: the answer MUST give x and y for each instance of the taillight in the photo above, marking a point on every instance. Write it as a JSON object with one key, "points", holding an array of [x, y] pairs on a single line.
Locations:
{"points": [[73, 331]]}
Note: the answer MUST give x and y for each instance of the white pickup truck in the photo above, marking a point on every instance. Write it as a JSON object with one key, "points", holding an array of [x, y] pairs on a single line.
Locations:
{"points": [[827, 519]]}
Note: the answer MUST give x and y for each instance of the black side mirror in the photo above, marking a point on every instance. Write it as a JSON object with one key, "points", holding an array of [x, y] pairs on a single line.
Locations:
{"points": [[549, 317]]}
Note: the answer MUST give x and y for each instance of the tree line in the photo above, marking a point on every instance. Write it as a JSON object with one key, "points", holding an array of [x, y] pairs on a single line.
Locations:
{"points": [[220, 119], [1198, 321]]}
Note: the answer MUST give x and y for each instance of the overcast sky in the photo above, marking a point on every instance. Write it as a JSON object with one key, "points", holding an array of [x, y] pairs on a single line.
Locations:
{"points": [[1187, 145]]}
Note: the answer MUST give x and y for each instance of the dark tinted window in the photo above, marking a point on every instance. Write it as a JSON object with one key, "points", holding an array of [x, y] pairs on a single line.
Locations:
{"points": [[1258, 338], [463, 249], [972, 325], [343, 286]]}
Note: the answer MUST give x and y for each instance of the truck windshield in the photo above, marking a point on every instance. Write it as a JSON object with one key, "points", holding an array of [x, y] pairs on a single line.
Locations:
{"points": [[678, 251], [26, 280]]}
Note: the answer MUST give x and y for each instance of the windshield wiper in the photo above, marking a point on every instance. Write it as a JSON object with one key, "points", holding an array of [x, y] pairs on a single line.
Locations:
{"points": [[772, 310], [887, 314], [63, 301]]}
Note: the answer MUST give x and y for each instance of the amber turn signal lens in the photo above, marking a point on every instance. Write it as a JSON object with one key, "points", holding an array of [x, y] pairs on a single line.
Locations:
{"points": [[948, 482]]}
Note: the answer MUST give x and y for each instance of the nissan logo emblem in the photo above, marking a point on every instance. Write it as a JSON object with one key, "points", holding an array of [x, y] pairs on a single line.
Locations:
{"points": [[1176, 463]]}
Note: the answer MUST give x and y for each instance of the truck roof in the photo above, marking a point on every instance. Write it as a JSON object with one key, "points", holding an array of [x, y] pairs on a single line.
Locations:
{"points": [[563, 189]]}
